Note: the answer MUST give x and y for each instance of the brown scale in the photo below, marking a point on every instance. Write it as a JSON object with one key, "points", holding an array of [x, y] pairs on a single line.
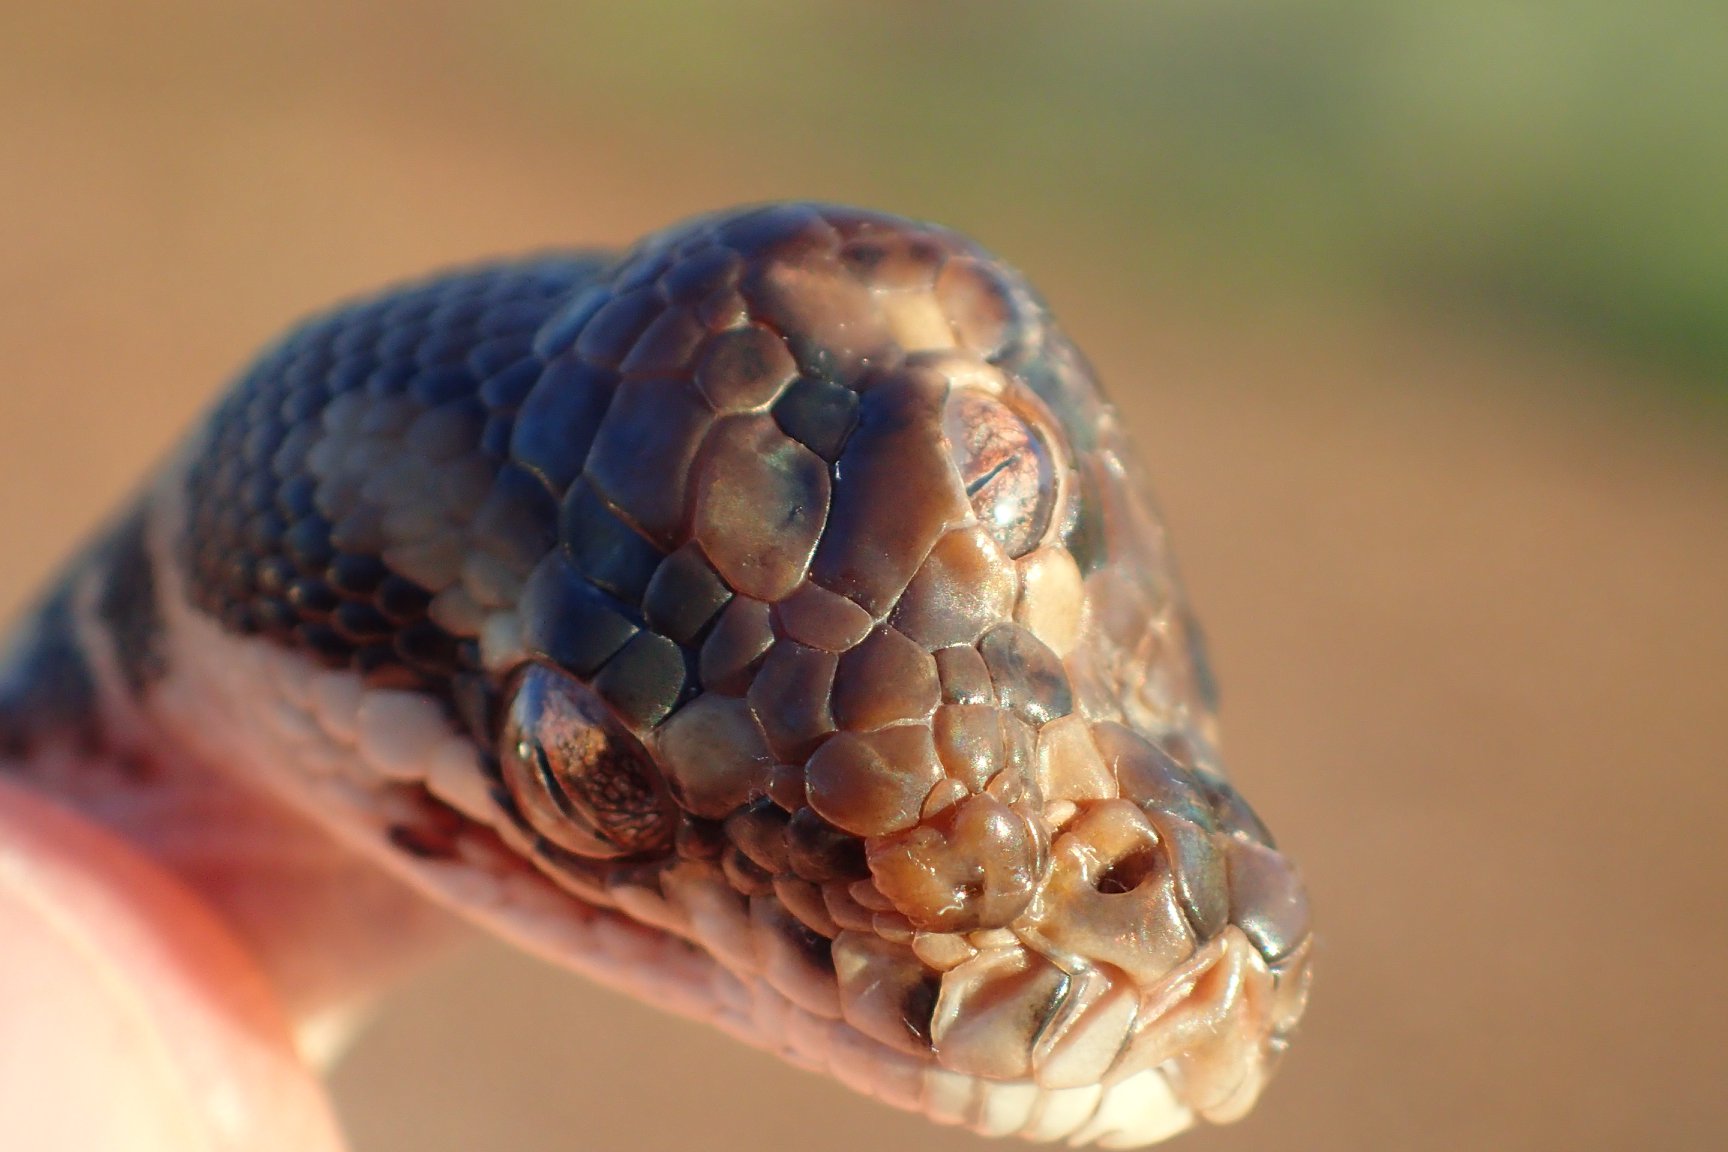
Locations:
{"points": [[975, 865], [714, 755], [886, 679], [818, 618], [644, 450], [970, 743], [735, 648], [964, 586], [792, 698], [870, 783], [745, 369], [761, 502], [898, 493]]}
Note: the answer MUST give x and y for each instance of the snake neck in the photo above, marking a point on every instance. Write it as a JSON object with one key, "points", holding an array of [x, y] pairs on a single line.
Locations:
{"points": [[77, 724]]}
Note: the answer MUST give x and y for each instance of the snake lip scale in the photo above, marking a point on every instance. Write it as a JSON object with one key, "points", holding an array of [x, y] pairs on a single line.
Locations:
{"points": [[770, 620]]}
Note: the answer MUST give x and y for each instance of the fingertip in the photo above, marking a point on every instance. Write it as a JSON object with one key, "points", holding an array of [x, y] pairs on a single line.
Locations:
{"points": [[133, 1020]]}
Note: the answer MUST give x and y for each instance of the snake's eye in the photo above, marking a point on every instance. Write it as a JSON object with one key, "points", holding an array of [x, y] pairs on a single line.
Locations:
{"points": [[1007, 467], [580, 779]]}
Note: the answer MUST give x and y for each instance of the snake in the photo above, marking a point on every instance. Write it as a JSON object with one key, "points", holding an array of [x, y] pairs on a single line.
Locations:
{"points": [[771, 621]]}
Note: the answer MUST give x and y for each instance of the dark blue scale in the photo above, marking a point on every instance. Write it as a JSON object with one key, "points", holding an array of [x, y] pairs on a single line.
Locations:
{"points": [[819, 414], [261, 556]]}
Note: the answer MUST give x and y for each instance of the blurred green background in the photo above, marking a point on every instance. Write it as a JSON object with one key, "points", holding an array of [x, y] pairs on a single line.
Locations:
{"points": [[1562, 164]]}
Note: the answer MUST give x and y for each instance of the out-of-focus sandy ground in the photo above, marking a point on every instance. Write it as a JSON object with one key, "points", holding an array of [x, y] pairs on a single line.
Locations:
{"points": [[1468, 594]]}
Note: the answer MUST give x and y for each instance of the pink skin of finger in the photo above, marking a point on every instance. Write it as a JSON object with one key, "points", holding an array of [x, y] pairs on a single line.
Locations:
{"points": [[130, 1018]]}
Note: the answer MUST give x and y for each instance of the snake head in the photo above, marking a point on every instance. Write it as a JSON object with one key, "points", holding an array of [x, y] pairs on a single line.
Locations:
{"points": [[798, 592]]}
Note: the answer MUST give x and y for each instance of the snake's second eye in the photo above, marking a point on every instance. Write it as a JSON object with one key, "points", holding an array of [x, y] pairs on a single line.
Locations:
{"points": [[1006, 466], [579, 778]]}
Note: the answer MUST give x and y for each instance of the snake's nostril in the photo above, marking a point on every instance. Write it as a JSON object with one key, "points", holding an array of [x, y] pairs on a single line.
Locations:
{"points": [[1127, 872]]}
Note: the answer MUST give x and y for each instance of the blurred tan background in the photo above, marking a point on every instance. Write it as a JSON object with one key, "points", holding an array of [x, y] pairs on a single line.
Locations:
{"points": [[1421, 317]]}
